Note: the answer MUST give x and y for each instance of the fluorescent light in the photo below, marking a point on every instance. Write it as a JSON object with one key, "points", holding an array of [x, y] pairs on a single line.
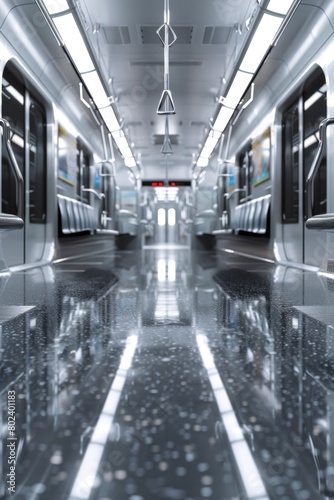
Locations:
{"points": [[261, 41], [71, 36], [211, 141], [109, 118], [124, 148], [209, 146], [130, 162], [280, 6], [14, 93], [202, 162], [237, 89], [55, 6], [95, 87], [126, 152], [118, 133], [313, 139], [122, 144], [19, 141], [223, 118], [77, 49], [206, 152]]}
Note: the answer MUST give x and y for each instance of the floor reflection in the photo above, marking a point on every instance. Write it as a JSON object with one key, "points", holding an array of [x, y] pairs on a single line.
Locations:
{"points": [[168, 374]]}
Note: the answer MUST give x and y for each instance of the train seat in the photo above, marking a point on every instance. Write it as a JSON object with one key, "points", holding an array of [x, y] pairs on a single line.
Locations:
{"points": [[257, 214], [247, 208], [65, 225], [264, 214], [251, 215]]}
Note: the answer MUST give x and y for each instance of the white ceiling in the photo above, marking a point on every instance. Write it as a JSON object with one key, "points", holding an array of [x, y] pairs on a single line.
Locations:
{"points": [[128, 51]]}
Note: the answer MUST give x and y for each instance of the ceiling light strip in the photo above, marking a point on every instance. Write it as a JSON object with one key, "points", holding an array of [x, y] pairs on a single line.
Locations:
{"points": [[64, 25], [273, 16]]}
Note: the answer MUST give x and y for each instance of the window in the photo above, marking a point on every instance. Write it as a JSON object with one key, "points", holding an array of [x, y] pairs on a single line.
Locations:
{"points": [[13, 101], [290, 191], [161, 217], [37, 164], [303, 116], [83, 177], [245, 173], [315, 110], [171, 216]]}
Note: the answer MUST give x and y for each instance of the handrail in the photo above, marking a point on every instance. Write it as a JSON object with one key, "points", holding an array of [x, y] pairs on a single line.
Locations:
{"points": [[247, 198], [123, 211], [13, 164], [228, 196], [309, 185], [209, 211], [89, 190], [100, 167]]}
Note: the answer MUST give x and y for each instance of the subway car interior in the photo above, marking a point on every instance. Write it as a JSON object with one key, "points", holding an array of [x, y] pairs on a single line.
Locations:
{"points": [[167, 249]]}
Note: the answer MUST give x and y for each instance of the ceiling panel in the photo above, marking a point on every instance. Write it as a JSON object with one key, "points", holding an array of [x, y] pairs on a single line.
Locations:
{"points": [[130, 53]]}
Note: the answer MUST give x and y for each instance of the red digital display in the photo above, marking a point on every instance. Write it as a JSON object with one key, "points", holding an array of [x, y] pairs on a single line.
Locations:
{"points": [[166, 184]]}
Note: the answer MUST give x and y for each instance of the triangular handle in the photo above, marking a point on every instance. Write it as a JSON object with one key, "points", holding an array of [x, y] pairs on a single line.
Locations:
{"points": [[167, 147], [166, 104]]}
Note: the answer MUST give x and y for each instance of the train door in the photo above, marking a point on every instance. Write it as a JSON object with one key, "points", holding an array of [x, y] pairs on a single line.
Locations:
{"points": [[301, 120], [35, 216], [172, 224], [160, 234], [26, 117], [167, 227]]}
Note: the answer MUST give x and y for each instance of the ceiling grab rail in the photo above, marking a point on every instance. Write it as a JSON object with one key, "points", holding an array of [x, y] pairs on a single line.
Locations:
{"points": [[309, 184], [166, 104], [13, 165]]}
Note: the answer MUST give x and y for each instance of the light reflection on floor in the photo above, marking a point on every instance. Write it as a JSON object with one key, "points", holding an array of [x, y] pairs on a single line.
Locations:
{"points": [[194, 376]]}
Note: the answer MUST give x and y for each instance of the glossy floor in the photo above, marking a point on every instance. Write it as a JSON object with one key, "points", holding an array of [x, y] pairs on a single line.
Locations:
{"points": [[196, 375]]}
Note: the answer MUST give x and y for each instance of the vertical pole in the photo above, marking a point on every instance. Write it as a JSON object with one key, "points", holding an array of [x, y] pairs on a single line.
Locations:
{"points": [[166, 46]]}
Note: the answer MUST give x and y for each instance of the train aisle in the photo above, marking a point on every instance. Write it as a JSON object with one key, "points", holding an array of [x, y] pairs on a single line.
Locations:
{"points": [[167, 374]]}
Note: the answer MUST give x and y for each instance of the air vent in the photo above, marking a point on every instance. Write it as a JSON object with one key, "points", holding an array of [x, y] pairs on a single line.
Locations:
{"points": [[163, 163], [198, 124], [135, 124], [216, 35], [117, 35], [149, 34], [158, 139], [161, 63]]}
